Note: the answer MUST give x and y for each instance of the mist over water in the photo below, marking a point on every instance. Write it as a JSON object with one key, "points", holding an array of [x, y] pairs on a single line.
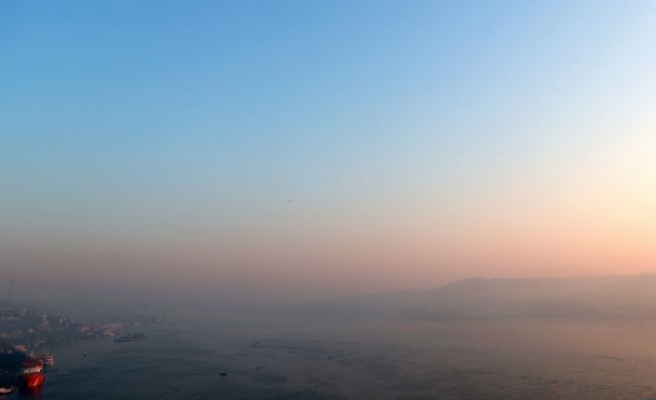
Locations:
{"points": [[382, 346], [350, 359]]}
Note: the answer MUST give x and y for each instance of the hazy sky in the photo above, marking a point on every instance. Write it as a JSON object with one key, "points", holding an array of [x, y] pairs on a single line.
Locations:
{"points": [[326, 147]]}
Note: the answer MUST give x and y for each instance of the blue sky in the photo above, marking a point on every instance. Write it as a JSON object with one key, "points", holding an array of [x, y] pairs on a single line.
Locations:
{"points": [[141, 126]]}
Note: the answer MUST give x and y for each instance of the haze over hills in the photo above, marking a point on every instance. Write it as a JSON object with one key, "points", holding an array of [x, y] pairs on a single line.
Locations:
{"points": [[613, 296], [631, 297]]}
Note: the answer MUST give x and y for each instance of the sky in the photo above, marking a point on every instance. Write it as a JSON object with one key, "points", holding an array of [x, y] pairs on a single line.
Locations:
{"points": [[320, 148]]}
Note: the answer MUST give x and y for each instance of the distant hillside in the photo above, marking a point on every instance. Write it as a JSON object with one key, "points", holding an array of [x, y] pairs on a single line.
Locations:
{"points": [[631, 297]]}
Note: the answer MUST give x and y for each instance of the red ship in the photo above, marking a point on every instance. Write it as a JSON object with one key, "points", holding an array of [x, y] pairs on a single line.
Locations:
{"points": [[32, 373]]}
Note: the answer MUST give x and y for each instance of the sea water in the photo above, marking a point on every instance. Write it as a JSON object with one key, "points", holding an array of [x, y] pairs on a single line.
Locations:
{"points": [[507, 360]]}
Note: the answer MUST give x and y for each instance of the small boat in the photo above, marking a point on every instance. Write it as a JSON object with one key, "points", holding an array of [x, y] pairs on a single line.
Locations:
{"points": [[8, 383], [7, 389], [47, 360]]}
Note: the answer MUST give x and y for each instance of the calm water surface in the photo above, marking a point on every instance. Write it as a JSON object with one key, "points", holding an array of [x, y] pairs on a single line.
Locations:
{"points": [[365, 360]]}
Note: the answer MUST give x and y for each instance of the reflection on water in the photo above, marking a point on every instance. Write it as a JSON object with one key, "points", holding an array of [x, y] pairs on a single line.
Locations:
{"points": [[30, 393], [366, 360]]}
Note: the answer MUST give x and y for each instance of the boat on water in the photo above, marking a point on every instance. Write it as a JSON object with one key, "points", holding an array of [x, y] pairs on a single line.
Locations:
{"points": [[47, 360], [8, 383], [7, 389], [31, 375]]}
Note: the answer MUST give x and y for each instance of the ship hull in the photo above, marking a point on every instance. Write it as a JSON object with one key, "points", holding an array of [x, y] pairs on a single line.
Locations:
{"points": [[32, 380]]}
